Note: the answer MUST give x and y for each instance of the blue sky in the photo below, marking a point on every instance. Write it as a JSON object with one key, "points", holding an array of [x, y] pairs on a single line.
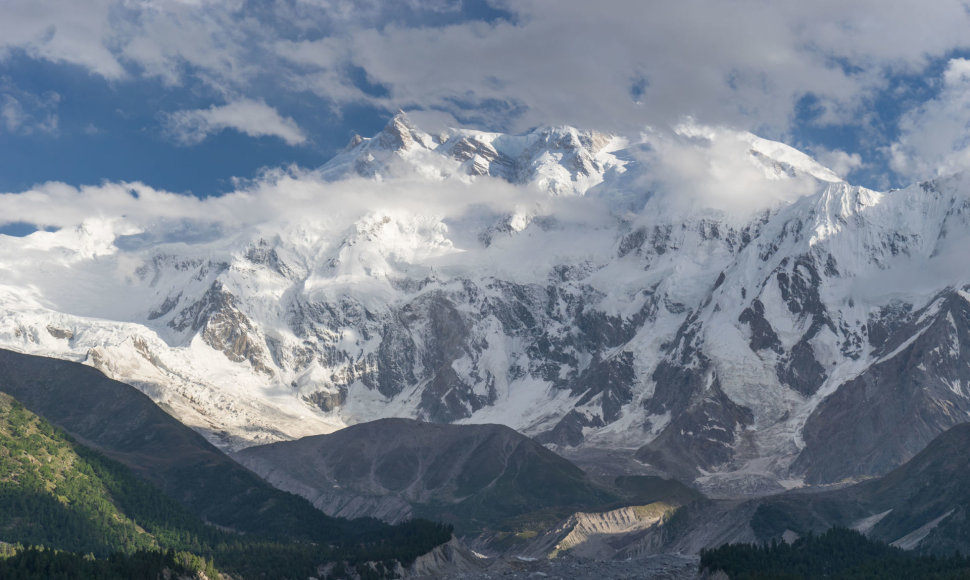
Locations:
{"points": [[117, 131], [185, 95]]}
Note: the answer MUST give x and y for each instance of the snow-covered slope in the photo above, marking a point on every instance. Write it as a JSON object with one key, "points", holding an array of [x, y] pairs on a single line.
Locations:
{"points": [[721, 303]]}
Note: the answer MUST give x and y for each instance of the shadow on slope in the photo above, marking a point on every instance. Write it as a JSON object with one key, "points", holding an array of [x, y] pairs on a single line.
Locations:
{"points": [[127, 426]]}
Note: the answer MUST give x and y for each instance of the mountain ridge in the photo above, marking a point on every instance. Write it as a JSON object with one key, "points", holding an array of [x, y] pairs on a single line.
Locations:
{"points": [[587, 291], [470, 476]]}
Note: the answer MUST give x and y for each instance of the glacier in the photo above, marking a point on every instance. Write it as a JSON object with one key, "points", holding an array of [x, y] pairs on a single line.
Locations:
{"points": [[720, 306]]}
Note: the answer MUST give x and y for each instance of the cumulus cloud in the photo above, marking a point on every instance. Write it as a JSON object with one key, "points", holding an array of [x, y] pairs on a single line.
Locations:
{"points": [[935, 137], [615, 67], [254, 118], [377, 227]]}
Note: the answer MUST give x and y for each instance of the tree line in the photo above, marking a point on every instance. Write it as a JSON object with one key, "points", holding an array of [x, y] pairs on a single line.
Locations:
{"points": [[838, 553]]}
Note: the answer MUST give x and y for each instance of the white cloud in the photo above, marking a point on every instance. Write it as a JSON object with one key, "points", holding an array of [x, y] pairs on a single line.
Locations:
{"points": [[699, 166], [740, 63], [254, 118], [279, 197], [114, 228], [66, 31], [617, 66], [841, 162], [935, 136], [12, 113]]}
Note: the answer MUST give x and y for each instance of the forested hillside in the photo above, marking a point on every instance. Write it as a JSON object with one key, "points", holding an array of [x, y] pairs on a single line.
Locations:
{"points": [[59, 494], [839, 553]]}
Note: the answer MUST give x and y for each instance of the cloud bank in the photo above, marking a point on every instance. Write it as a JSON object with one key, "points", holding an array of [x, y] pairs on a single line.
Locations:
{"points": [[696, 168], [617, 66], [277, 200]]}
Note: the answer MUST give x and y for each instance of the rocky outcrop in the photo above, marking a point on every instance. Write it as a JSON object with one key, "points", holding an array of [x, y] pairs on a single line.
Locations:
{"points": [[918, 388], [450, 560], [607, 535], [224, 327]]}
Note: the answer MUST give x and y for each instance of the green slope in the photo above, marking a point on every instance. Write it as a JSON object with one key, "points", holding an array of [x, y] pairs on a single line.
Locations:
{"points": [[50, 495], [56, 493], [59, 493], [127, 426]]}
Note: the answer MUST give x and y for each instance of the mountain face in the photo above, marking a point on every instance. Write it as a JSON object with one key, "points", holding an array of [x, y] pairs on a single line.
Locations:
{"points": [[741, 328], [921, 505], [472, 476]]}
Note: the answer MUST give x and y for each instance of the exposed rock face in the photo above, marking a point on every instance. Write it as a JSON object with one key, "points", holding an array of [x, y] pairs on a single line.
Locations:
{"points": [[887, 414], [471, 475], [920, 505], [223, 327], [705, 422], [606, 535], [449, 560], [60, 332]]}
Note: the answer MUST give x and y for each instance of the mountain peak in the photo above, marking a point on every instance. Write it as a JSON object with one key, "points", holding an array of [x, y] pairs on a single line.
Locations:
{"points": [[561, 160], [400, 133], [643, 313], [354, 141]]}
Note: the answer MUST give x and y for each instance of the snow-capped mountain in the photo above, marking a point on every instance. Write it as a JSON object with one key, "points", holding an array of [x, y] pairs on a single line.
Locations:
{"points": [[720, 303]]}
